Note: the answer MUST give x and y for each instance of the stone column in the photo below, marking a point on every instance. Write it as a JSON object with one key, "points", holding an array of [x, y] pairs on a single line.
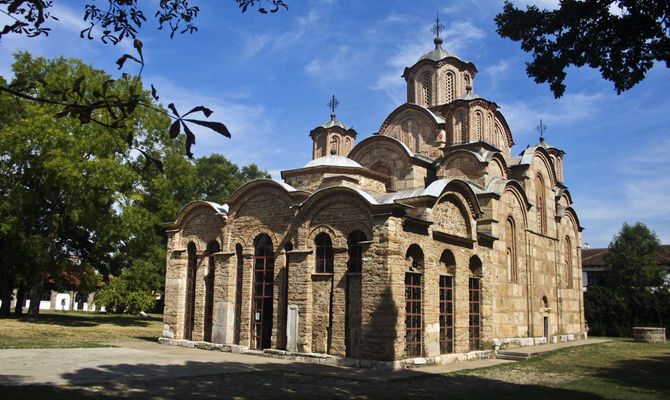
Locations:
{"points": [[223, 315], [339, 302], [300, 298]]}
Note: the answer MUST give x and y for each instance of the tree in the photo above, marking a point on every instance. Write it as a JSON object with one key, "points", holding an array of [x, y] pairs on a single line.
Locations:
{"points": [[635, 291], [621, 38], [62, 179], [120, 19]]}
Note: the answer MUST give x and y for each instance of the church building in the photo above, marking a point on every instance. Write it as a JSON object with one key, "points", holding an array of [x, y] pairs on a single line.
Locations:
{"points": [[427, 239]]}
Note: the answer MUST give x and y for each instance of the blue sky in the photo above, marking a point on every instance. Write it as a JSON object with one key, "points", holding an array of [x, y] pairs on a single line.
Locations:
{"points": [[269, 78]]}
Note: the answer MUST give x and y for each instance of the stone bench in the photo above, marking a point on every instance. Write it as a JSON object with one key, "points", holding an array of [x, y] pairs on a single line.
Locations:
{"points": [[649, 335]]}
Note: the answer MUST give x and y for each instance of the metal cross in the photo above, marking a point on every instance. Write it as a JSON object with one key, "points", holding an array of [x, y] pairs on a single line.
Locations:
{"points": [[438, 27], [541, 128], [333, 103]]}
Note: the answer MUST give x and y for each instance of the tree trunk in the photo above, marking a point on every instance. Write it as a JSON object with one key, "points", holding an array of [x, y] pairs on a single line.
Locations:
{"points": [[20, 301], [36, 294], [5, 292]]}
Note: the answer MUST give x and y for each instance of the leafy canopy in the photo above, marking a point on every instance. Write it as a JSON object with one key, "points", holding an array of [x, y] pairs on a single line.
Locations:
{"points": [[620, 38]]}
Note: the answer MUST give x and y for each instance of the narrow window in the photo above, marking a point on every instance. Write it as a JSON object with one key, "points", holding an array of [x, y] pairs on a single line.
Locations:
{"points": [[355, 263], [427, 89], [568, 263], [540, 201], [449, 87], [474, 299], [413, 299], [510, 240], [479, 126], [189, 306], [413, 336], [475, 314], [446, 314], [261, 314], [461, 121], [324, 254]]}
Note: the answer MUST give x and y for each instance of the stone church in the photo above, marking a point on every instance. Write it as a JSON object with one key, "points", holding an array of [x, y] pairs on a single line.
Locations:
{"points": [[427, 239]]}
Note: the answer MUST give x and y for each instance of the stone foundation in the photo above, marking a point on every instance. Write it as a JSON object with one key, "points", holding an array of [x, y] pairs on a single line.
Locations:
{"points": [[319, 358], [512, 343]]}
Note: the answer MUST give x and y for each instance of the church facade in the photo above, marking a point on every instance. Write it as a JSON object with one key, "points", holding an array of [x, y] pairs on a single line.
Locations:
{"points": [[426, 239]]}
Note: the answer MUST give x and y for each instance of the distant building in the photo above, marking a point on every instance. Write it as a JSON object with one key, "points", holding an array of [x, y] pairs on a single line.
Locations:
{"points": [[427, 239], [595, 269]]}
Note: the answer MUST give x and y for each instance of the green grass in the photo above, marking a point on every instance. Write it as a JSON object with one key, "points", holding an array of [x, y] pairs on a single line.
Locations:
{"points": [[620, 369], [56, 329]]}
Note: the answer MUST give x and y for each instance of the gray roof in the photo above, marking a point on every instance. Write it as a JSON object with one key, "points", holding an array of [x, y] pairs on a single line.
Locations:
{"points": [[333, 122], [439, 53], [335, 161]]}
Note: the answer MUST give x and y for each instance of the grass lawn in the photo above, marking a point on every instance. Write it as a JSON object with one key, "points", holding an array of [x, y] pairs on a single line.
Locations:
{"points": [[621, 369], [56, 329]]}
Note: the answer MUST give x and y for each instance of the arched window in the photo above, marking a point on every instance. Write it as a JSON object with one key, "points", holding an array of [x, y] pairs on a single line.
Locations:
{"points": [[427, 89], [189, 306], [447, 270], [262, 293], [355, 262], [449, 86], [320, 146], [347, 147], [334, 146], [474, 299], [479, 127], [413, 302], [540, 203], [463, 130], [568, 263], [324, 254], [510, 242]]}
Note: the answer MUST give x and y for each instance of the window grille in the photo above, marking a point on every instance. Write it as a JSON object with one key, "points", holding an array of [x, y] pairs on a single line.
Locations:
{"points": [[413, 323], [427, 90], [475, 314], [446, 314], [324, 254]]}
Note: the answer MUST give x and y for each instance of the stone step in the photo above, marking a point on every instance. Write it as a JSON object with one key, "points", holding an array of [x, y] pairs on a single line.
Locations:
{"points": [[512, 355]]}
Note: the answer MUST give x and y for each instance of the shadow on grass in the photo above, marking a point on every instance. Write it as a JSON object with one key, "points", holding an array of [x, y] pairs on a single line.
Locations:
{"points": [[271, 380], [649, 373], [84, 319]]}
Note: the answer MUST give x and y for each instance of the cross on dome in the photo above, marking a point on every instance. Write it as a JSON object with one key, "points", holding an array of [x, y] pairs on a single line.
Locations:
{"points": [[332, 104], [438, 27], [541, 128]]}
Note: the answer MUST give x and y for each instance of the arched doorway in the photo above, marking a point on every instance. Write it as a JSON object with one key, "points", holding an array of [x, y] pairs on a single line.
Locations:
{"points": [[262, 291]]}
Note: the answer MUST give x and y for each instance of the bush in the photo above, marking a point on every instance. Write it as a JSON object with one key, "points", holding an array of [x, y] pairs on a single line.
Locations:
{"points": [[118, 297]]}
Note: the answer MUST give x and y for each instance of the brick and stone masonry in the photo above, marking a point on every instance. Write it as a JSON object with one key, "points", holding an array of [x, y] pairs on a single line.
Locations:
{"points": [[320, 263]]}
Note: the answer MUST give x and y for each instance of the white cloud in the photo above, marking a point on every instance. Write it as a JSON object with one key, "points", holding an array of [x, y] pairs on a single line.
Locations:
{"points": [[523, 116], [250, 125]]}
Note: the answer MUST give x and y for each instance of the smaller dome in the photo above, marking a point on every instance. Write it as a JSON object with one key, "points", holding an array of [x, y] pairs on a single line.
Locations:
{"points": [[333, 122], [469, 95], [335, 161], [439, 53]]}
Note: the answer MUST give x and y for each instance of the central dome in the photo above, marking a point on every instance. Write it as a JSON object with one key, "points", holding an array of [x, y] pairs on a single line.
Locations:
{"points": [[335, 161]]}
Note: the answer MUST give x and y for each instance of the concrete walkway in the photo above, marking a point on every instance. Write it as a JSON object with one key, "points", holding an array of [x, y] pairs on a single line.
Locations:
{"points": [[149, 360]]}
